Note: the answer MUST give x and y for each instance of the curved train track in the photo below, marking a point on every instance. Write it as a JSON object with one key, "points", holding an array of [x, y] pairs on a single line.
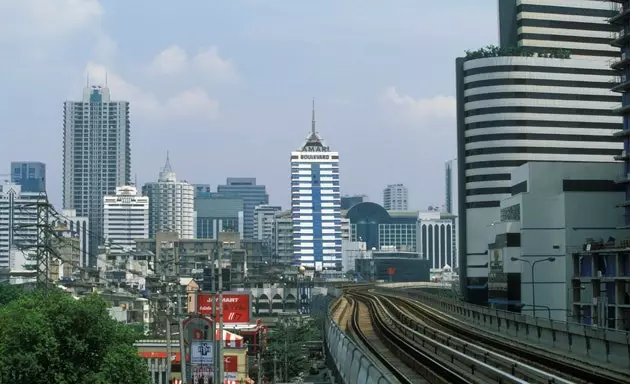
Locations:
{"points": [[444, 352]]}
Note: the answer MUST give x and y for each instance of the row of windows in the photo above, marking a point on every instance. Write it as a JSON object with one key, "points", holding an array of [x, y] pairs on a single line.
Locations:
{"points": [[560, 10], [558, 24], [543, 150], [539, 69], [541, 96], [544, 82], [543, 123], [565, 38], [549, 110], [541, 136]]}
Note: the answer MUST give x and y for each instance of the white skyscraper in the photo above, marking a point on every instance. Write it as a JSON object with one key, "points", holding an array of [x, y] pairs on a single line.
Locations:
{"points": [[264, 216], [18, 216], [316, 205], [171, 204], [126, 218], [96, 155], [395, 197]]}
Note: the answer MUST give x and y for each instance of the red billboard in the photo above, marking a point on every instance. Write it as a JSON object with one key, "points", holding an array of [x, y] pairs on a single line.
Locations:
{"points": [[237, 307]]}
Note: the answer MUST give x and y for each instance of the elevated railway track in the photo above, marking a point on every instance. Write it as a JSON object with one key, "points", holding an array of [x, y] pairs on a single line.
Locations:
{"points": [[419, 344]]}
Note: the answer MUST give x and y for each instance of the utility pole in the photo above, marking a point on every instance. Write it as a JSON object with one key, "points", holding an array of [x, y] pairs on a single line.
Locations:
{"points": [[260, 367], [221, 375], [215, 343], [169, 352], [275, 371]]}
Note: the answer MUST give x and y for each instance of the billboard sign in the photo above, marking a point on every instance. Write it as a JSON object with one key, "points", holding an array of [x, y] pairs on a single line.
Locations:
{"points": [[237, 306], [201, 352]]}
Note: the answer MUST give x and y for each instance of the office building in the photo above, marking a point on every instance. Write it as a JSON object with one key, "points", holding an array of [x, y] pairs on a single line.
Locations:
{"points": [[316, 205], [527, 101], [126, 218], [18, 233], [202, 189], [252, 195], [436, 231], [555, 207], [621, 41], [218, 213], [96, 155], [171, 204], [395, 197], [451, 204], [348, 202], [381, 229], [264, 216], [29, 175]]}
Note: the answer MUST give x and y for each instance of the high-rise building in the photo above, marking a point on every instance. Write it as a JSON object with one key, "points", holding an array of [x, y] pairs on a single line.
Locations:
{"points": [[316, 205], [171, 204], [451, 204], [264, 216], [30, 175], [96, 155], [395, 197], [252, 195], [542, 96], [18, 216], [126, 218], [621, 41], [218, 213]]}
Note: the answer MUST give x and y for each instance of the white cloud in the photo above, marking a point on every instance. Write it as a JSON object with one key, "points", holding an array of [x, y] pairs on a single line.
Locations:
{"points": [[421, 109], [47, 19], [190, 104], [173, 59], [207, 64]]}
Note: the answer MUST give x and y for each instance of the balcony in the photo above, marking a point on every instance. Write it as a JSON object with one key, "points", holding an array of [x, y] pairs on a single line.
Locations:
{"points": [[622, 134], [622, 62], [621, 110], [620, 38], [621, 84]]}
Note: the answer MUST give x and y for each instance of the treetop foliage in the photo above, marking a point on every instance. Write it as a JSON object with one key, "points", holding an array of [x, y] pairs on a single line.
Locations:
{"points": [[494, 51], [54, 338]]}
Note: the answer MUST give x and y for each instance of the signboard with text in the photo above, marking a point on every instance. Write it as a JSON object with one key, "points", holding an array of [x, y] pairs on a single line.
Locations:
{"points": [[237, 306]]}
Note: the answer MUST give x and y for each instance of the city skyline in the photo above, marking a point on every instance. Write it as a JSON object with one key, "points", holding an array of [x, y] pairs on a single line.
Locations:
{"points": [[166, 78]]}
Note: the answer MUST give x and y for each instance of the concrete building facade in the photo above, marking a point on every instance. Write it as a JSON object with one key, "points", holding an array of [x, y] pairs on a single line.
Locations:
{"points": [[316, 205], [96, 155], [171, 204], [126, 218], [396, 197], [553, 207], [436, 231], [543, 96]]}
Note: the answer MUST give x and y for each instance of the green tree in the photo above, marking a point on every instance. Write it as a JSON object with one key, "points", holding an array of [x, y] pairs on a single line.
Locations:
{"points": [[55, 338], [288, 345], [9, 292]]}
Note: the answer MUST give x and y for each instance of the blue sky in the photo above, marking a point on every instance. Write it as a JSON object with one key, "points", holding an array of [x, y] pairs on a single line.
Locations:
{"points": [[226, 86]]}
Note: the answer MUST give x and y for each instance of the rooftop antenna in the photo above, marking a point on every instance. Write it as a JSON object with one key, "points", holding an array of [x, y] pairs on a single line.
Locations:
{"points": [[136, 180], [313, 122], [106, 78], [87, 79]]}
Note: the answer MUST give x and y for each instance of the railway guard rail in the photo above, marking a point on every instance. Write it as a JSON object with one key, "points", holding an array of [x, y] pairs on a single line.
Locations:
{"points": [[352, 364], [597, 344]]}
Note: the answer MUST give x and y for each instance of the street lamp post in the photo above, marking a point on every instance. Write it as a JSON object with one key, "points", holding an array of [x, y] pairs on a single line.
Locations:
{"points": [[532, 265]]}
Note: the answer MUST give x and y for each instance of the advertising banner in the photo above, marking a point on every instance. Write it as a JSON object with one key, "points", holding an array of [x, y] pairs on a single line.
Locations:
{"points": [[237, 306], [201, 353]]}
